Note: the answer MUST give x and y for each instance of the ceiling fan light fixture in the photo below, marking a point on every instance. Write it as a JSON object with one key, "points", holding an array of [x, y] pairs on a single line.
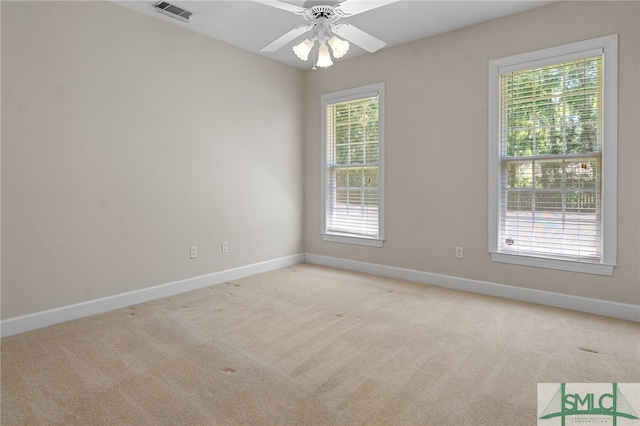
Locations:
{"points": [[324, 23], [302, 50], [338, 47], [324, 58]]}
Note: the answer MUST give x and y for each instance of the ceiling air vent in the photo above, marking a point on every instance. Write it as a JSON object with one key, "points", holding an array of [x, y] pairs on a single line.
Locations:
{"points": [[173, 11]]}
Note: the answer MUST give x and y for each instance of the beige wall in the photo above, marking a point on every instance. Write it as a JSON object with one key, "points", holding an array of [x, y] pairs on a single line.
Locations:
{"points": [[436, 147], [126, 140]]}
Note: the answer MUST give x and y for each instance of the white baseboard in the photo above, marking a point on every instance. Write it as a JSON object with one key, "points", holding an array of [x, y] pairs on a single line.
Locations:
{"points": [[558, 300], [49, 317], [42, 319]]}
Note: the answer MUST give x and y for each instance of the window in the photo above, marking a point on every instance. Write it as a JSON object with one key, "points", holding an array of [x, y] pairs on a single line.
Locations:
{"points": [[553, 155], [352, 170]]}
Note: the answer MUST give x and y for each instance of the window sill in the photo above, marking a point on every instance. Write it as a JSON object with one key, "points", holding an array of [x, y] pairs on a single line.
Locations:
{"points": [[361, 241], [559, 264]]}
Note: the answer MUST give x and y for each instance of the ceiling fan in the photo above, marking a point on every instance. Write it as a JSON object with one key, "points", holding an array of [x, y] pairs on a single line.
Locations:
{"points": [[324, 21]]}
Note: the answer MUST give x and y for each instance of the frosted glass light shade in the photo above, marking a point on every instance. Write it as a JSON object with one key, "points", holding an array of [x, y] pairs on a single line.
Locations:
{"points": [[324, 59], [302, 50], [338, 47]]}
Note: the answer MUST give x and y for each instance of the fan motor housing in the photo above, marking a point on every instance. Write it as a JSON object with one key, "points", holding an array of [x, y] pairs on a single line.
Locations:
{"points": [[322, 11]]}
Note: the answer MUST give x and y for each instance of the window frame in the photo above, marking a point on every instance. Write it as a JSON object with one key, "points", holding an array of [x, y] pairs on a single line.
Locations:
{"points": [[376, 89], [606, 46]]}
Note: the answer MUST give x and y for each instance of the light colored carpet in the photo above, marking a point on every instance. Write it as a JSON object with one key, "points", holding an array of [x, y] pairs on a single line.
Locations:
{"points": [[311, 345]]}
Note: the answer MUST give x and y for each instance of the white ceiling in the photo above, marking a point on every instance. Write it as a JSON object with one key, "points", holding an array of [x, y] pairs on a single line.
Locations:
{"points": [[251, 25]]}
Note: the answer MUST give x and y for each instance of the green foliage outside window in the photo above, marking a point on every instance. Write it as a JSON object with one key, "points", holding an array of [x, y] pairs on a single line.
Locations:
{"points": [[356, 132], [356, 151], [553, 111]]}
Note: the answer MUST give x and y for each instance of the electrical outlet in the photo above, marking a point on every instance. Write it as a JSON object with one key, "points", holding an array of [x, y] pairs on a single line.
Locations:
{"points": [[459, 253], [194, 252], [225, 247]]}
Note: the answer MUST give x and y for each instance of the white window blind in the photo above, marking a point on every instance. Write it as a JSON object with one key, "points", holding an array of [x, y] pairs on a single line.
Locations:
{"points": [[352, 172], [553, 157], [550, 159]]}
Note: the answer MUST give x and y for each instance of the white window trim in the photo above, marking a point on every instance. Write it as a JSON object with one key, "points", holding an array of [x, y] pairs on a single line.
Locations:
{"points": [[608, 47], [376, 89]]}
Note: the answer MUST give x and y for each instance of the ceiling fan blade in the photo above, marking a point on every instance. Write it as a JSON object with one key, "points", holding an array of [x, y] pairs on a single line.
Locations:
{"points": [[359, 37], [353, 7], [286, 38], [282, 5]]}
